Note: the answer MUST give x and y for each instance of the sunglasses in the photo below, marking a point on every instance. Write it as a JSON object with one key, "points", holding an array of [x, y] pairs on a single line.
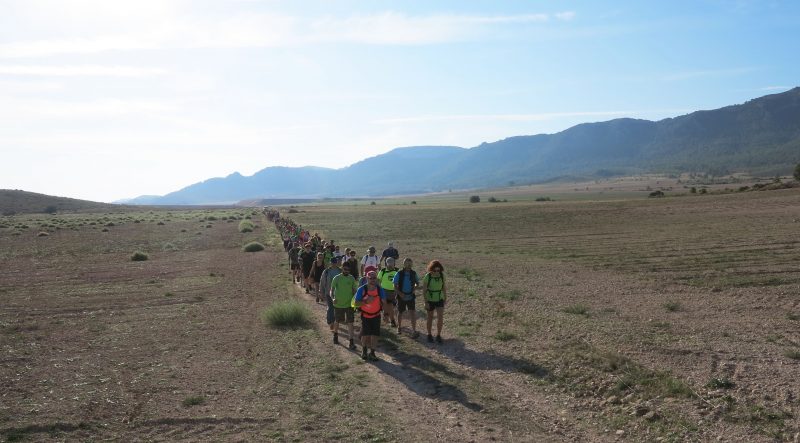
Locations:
{"points": [[436, 270]]}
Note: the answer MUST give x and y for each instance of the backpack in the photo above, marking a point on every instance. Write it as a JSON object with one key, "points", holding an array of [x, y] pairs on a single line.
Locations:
{"points": [[427, 284], [414, 278]]}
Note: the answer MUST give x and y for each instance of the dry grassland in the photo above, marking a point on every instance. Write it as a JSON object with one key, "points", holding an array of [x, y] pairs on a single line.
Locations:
{"points": [[672, 319]]}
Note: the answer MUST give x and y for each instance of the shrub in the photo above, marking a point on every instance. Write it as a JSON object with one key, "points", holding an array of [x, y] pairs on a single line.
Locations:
{"points": [[720, 383], [544, 199], [194, 401], [493, 199], [50, 209], [288, 314], [704, 191], [797, 172], [372, 203], [794, 355], [656, 194], [293, 211], [579, 309], [672, 306], [504, 336], [139, 256], [253, 247], [474, 199], [246, 226], [693, 190], [413, 202]]}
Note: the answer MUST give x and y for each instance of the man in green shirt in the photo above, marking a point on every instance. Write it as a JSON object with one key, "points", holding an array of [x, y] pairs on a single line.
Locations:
{"points": [[343, 288]]}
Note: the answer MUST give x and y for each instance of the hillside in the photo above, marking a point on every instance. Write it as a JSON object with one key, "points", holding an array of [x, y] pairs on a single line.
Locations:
{"points": [[23, 202], [761, 136]]}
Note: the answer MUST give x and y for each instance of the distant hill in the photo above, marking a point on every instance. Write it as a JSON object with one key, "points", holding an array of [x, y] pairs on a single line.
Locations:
{"points": [[761, 136], [23, 202]]}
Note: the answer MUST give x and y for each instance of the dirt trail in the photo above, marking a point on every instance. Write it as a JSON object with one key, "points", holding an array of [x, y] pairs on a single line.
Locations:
{"points": [[452, 392]]}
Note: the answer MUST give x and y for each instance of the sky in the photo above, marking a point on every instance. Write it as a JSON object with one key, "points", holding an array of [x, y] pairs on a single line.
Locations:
{"points": [[111, 99]]}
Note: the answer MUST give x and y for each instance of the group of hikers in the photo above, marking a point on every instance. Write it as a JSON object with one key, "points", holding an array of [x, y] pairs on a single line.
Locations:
{"points": [[373, 286]]}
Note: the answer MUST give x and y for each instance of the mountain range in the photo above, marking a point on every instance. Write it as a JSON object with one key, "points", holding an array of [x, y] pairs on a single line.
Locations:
{"points": [[761, 136]]}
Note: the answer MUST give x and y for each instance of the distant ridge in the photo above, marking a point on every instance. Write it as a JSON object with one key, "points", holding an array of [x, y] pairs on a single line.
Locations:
{"points": [[23, 202], [760, 136]]}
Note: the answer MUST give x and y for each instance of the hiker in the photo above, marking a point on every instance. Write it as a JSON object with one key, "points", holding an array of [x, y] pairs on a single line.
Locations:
{"points": [[389, 252], [405, 283], [337, 253], [369, 261], [351, 263], [307, 258], [370, 299], [317, 268], [328, 251], [325, 284], [386, 280], [435, 292], [343, 287], [294, 262]]}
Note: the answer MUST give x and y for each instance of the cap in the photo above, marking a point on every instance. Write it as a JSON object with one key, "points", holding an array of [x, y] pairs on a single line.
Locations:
{"points": [[369, 269], [372, 248], [389, 261], [335, 260]]}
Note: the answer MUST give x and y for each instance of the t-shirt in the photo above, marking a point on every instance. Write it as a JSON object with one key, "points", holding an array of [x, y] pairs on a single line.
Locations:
{"points": [[407, 285], [390, 252], [342, 289], [327, 278], [370, 260], [386, 277], [307, 258]]}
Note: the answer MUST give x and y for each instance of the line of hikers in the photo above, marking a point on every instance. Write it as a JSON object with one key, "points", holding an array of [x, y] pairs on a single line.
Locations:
{"points": [[373, 286]]}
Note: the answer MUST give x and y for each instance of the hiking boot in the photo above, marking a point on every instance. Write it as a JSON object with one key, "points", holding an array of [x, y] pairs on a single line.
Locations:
{"points": [[336, 339], [364, 354], [415, 334], [394, 323], [399, 331], [353, 345], [373, 357], [438, 339], [430, 338]]}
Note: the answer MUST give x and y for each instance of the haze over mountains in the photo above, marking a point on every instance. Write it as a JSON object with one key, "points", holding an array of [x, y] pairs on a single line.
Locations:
{"points": [[761, 136]]}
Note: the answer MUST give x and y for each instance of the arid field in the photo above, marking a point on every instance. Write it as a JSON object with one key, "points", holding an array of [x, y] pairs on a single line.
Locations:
{"points": [[619, 319]]}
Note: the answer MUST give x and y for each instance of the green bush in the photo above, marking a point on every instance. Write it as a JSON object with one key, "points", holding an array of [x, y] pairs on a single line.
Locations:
{"points": [[246, 226], [504, 336], [288, 314], [194, 401], [253, 247], [139, 256], [797, 172], [475, 199], [579, 309], [672, 306]]}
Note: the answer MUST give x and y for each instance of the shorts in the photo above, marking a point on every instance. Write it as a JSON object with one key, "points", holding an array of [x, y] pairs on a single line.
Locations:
{"points": [[431, 305], [344, 315], [371, 326], [402, 305]]}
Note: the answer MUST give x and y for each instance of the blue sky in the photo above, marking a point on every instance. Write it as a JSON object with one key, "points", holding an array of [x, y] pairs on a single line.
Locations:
{"points": [[108, 99]]}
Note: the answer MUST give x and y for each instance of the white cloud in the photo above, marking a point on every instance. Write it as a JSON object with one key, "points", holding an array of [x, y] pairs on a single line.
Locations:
{"points": [[503, 117], [81, 70], [266, 30]]}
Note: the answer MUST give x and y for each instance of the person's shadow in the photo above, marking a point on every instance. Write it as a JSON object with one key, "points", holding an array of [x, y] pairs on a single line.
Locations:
{"points": [[416, 372], [455, 350]]}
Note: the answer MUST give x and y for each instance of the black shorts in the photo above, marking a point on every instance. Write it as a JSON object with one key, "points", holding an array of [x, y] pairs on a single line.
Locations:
{"points": [[402, 305], [371, 326], [431, 305]]}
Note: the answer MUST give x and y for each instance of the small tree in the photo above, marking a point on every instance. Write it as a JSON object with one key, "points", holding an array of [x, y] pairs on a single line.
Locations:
{"points": [[475, 199], [797, 172]]}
